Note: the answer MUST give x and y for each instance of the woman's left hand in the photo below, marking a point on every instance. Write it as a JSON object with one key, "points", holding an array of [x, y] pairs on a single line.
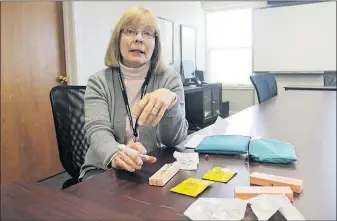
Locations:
{"points": [[153, 106]]}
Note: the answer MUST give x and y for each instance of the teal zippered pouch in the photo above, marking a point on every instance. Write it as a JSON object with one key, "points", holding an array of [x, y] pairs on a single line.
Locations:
{"points": [[224, 144], [271, 151]]}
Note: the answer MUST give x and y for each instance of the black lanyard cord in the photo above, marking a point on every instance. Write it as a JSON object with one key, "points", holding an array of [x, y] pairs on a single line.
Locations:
{"points": [[126, 102]]}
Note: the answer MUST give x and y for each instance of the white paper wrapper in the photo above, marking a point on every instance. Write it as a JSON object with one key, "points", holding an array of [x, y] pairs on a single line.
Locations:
{"points": [[187, 161], [264, 206], [216, 209]]}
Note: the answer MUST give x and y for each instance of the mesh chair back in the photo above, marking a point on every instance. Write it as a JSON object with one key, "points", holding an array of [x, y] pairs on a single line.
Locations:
{"points": [[265, 86], [68, 111], [329, 78]]}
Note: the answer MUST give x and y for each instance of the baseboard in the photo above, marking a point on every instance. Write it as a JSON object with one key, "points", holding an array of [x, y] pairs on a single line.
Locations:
{"points": [[44, 179], [233, 112]]}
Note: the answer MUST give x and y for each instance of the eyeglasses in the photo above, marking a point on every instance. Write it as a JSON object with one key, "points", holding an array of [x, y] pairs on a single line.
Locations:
{"points": [[131, 32]]}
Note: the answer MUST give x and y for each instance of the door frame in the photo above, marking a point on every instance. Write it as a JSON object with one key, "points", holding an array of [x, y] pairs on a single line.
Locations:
{"points": [[70, 42]]}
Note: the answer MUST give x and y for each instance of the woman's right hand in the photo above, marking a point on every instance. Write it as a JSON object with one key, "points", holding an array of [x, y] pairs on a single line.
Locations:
{"points": [[130, 162]]}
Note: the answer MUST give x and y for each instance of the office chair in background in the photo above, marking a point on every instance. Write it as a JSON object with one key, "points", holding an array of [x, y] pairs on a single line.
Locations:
{"points": [[67, 104], [265, 86], [329, 78], [200, 74]]}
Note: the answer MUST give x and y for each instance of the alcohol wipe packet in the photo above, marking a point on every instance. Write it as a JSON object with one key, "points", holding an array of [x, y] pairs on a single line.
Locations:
{"points": [[220, 174], [191, 187]]}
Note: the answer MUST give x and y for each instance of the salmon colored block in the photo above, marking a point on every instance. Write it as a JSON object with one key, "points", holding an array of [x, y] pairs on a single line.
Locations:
{"points": [[262, 179]]}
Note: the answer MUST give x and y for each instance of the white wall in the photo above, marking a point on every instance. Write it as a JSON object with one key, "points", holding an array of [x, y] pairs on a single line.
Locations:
{"points": [[239, 97], [93, 22], [243, 97], [223, 5], [300, 38], [101, 17]]}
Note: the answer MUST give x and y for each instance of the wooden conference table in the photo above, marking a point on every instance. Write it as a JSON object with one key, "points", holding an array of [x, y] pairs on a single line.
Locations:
{"points": [[305, 118]]}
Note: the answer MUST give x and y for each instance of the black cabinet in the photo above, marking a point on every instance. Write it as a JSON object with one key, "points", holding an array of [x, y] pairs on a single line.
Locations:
{"points": [[203, 104]]}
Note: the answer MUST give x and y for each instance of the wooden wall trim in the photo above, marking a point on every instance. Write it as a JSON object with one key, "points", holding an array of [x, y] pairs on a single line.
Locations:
{"points": [[69, 42]]}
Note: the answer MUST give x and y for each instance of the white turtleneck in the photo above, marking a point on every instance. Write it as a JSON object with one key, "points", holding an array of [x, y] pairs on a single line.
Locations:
{"points": [[133, 80]]}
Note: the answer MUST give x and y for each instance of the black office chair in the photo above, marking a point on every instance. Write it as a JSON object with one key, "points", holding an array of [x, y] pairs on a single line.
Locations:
{"points": [[329, 78], [67, 104], [199, 74], [265, 86]]}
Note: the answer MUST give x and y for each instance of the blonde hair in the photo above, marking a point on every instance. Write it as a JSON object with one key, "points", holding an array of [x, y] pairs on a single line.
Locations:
{"points": [[136, 13]]}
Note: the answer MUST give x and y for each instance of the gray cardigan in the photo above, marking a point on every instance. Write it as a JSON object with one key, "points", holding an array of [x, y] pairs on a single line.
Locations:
{"points": [[105, 117]]}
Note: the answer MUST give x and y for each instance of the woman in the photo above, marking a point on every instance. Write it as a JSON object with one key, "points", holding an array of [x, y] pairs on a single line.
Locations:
{"points": [[136, 101]]}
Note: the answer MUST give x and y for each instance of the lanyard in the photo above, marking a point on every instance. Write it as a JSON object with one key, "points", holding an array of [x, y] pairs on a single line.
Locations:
{"points": [[126, 102]]}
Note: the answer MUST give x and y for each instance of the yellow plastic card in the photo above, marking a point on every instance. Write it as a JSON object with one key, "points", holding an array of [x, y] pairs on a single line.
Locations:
{"points": [[191, 187], [219, 174]]}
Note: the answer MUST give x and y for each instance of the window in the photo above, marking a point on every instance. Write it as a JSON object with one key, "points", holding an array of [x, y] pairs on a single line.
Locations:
{"points": [[229, 46]]}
